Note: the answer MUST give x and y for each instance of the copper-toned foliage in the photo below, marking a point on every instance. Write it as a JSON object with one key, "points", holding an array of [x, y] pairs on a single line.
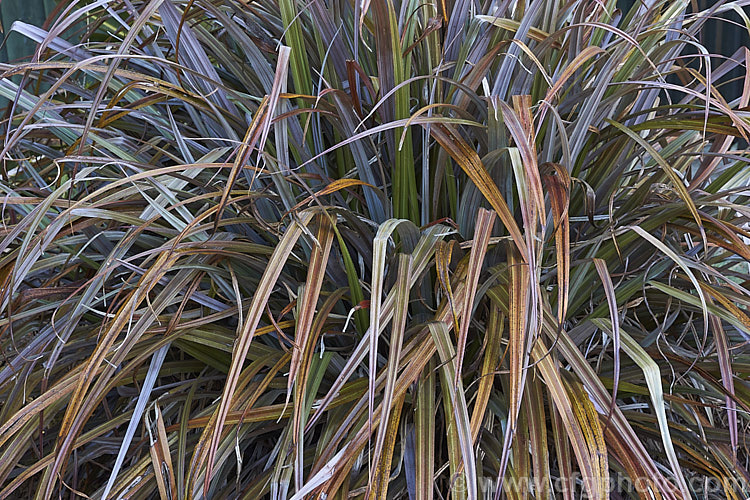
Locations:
{"points": [[380, 249]]}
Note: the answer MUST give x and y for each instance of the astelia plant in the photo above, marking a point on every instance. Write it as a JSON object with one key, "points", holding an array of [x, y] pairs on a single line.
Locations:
{"points": [[378, 249]]}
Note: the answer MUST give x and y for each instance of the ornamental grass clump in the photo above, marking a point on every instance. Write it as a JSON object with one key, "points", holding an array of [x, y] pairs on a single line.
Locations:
{"points": [[379, 249]]}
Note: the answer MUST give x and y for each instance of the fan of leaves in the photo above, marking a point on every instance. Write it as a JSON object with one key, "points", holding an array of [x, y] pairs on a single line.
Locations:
{"points": [[389, 249]]}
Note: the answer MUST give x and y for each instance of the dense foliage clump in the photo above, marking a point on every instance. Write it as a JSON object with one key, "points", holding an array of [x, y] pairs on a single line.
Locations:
{"points": [[379, 249]]}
